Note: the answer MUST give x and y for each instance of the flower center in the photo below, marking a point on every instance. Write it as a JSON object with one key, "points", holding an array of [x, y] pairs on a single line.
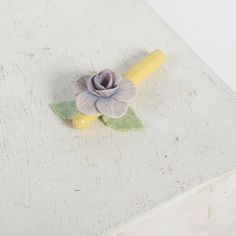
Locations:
{"points": [[105, 82]]}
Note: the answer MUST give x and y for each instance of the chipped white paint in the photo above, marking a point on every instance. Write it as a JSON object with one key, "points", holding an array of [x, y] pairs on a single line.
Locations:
{"points": [[59, 181]]}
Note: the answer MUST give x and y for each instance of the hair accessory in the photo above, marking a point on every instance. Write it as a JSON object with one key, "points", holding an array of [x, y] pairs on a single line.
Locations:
{"points": [[106, 95]]}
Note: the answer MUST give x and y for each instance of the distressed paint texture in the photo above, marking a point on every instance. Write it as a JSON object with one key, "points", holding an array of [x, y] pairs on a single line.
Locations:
{"points": [[56, 180], [208, 209]]}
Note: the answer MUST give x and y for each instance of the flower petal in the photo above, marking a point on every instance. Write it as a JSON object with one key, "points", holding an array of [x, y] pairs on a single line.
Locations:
{"points": [[126, 91], [80, 85], [111, 108], [97, 83], [90, 85], [106, 92], [117, 79], [86, 103]]}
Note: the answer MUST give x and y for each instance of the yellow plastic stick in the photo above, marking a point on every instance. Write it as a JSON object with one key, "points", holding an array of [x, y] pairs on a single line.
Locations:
{"points": [[145, 67], [136, 74]]}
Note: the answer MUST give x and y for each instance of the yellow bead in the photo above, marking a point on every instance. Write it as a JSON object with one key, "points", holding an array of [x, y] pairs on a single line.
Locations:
{"points": [[82, 121]]}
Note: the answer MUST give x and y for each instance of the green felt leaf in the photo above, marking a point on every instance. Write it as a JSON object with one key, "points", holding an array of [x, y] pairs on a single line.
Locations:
{"points": [[65, 110], [128, 122]]}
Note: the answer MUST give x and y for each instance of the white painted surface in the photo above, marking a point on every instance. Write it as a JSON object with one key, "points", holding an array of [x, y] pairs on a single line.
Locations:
{"points": [[208, 210], [59, 181], [208, 26]]}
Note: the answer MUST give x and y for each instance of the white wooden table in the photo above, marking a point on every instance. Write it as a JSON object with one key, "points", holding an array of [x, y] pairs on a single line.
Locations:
{"points": [[56, 180]]}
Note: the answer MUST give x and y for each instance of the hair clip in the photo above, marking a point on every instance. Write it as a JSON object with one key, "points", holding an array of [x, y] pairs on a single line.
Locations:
{"points": [[105, 95]]}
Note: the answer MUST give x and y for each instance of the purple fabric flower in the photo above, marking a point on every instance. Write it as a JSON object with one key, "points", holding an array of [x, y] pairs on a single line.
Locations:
{"points": [[104, 93]]}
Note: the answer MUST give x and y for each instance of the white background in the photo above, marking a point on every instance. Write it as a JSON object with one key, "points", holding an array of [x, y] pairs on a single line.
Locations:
{"points": [[209, 27]]}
